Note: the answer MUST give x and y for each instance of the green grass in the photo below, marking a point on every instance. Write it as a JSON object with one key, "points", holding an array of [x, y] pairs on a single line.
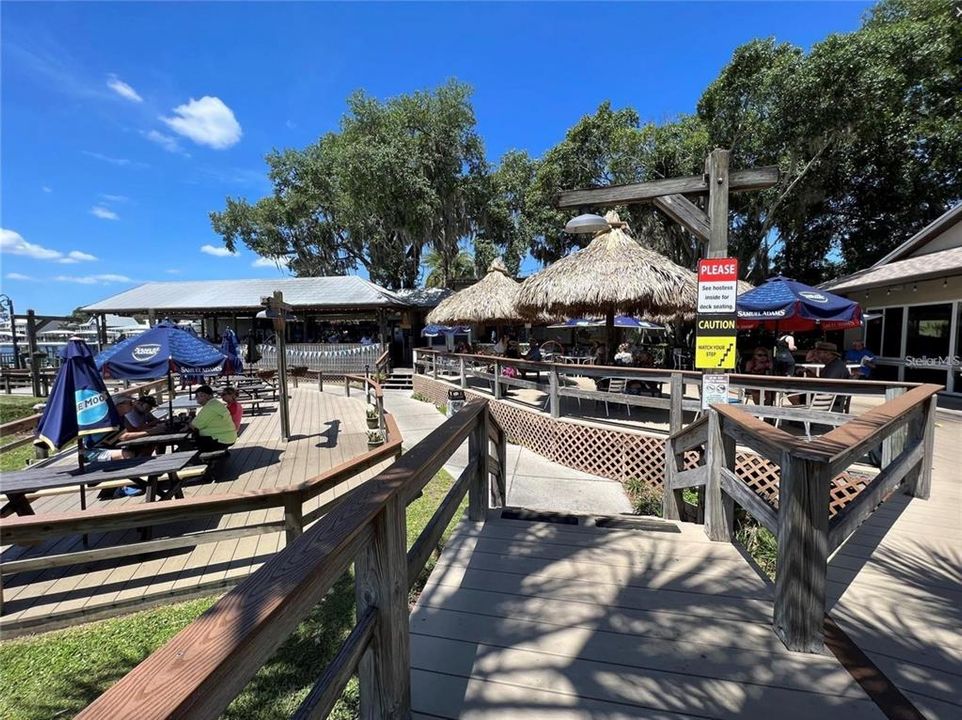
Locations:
{"points": [[14, 407], [59, 673], [16, 459]]}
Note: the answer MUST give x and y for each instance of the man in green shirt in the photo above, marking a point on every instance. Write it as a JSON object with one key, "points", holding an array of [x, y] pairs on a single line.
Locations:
{"points": [[213, 425]]}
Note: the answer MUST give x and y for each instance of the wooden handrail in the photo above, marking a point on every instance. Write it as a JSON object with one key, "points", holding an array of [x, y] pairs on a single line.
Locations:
{"points": [[26, 529], [199, 671]]}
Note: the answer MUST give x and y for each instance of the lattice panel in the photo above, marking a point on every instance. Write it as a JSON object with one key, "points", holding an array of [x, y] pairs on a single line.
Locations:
{"points": [[621, 454]]}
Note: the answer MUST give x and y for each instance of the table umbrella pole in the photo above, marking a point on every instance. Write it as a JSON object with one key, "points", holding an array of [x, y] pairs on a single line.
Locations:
{"points": [[610, 335], [170, 397]]}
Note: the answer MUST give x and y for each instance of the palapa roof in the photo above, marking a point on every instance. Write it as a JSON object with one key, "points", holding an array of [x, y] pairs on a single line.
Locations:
{"points": [[490, 300], [613, 274], [332, 293]]}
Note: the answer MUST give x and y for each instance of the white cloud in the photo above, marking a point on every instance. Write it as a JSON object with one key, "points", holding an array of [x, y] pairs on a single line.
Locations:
{"points": [[17, 276], [207, 121], [47, 189], [281, 262], [123, 89], [75, 256], [167, 142], [104, 213], [113, 198], [106, 158], [13, 243], [216, 251], [105, 279], [173, 271]]}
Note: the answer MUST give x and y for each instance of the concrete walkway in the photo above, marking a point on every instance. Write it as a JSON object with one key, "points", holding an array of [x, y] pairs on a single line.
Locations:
{"points": [[533, 482]]}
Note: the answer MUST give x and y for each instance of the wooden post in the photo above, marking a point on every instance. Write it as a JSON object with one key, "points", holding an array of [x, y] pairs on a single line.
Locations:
{"points": [[380, 572], [464, 378], [478, 490], [671, 500], [434, 365], [502, 449], [803, 498], [894, 443], [32, 349], [293, 518], [554, 399], [347, 386], [320, 381], [380, 413], [716, 168], [919, 481], [497, 380], [675, 416], [719, 506]]}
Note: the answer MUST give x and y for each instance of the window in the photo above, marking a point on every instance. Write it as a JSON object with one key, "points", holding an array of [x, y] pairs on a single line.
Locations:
{"points": [[892, 341], [928, 331], [873, 331]]}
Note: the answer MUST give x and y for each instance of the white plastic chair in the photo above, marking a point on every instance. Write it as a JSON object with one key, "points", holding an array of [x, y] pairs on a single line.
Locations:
{"points": [[618, 386], [823, 402]]}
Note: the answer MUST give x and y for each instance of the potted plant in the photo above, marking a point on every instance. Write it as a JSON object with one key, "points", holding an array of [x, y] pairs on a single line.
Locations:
{"points": [[374, 438], [372, 420]]}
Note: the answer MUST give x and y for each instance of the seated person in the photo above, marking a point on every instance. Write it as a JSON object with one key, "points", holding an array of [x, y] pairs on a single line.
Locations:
{"points": [[534, 352], [513, 352], [213, 427], [865, 359], [141, 416], [102, 446], [760, 363], [500, 346], [833, 367], [236, 410], [624, 356]]}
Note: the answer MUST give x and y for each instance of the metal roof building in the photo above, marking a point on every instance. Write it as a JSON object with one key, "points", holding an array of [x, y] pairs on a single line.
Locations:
{"points": [[238, 297]]}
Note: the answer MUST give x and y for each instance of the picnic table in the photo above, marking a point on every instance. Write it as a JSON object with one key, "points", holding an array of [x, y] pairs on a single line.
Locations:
{"points": [[162, 440], [16, 485]]}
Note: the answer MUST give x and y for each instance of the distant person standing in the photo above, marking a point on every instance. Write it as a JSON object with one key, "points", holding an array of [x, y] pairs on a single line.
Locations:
{"points": [[213, 425], [784, 359], [865, 359]]}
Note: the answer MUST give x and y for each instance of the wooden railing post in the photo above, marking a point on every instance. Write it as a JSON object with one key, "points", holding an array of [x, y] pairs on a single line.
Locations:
{"points": [[380, 576], [293, 517], [347, 386], [497, 380], [554, 399], [464, 378], [380, 412], [434, 366], [320, 381], [479, 490], [803, 498], [919, 481], [671, 500], [894, 443], [719, 506], [675, 417]]}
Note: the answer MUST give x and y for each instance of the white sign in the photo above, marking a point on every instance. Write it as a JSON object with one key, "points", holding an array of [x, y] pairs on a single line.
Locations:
{"points": [[714, 389], [717, 285]]}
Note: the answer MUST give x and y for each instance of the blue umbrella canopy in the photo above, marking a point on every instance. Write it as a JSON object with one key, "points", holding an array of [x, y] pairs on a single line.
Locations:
{"points": [[162, 349], [622, 321], [80, 404], [230, 347], [786, 304], [435, 330]]}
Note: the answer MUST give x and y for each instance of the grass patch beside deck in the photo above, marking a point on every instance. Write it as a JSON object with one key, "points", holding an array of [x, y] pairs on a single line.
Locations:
{"points": [[59, 673], [14, 407]]}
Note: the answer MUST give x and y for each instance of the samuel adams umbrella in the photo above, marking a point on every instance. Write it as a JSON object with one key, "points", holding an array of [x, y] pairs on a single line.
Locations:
{"points": [[784, 304], [80, 404]]}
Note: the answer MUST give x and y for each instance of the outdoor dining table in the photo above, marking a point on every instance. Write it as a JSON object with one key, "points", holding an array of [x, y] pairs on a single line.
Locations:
{"points": [[811, 369], [159, 440], [17, 485], [575, 359]]}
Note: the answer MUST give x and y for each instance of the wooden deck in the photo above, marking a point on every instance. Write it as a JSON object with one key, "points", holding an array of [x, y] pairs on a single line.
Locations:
{"points": [[536, 620], [328, 430]]}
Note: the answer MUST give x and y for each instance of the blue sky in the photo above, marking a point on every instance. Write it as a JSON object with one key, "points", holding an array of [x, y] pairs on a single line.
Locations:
{"points": [[125, 124]]}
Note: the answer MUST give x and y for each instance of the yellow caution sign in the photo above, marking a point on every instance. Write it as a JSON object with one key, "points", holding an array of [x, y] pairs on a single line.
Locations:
{"points": [[715, 352]]}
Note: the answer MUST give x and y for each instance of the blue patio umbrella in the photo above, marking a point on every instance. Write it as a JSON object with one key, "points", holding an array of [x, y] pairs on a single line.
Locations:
{"points": [[622, 321], [162, 350], [435, 330], [80, 404], [230, 347], [781, 303]]}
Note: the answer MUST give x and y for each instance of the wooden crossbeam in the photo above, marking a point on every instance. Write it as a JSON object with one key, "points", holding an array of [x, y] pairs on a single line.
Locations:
{"points": [[738, 181], [684, 212]]}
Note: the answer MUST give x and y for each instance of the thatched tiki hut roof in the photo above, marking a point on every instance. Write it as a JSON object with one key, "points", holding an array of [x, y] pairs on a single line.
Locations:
{"points": [[491, 300]]}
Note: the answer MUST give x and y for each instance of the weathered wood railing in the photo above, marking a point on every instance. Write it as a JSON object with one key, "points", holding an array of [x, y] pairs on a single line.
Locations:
{"points": [[807, 534], [556, 381], [207, 664], [29, 424], [32, 529]]}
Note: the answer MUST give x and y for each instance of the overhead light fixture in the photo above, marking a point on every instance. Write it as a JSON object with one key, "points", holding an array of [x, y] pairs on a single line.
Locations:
{"points": [[587, 224], [945, 282], [915, 287]]}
